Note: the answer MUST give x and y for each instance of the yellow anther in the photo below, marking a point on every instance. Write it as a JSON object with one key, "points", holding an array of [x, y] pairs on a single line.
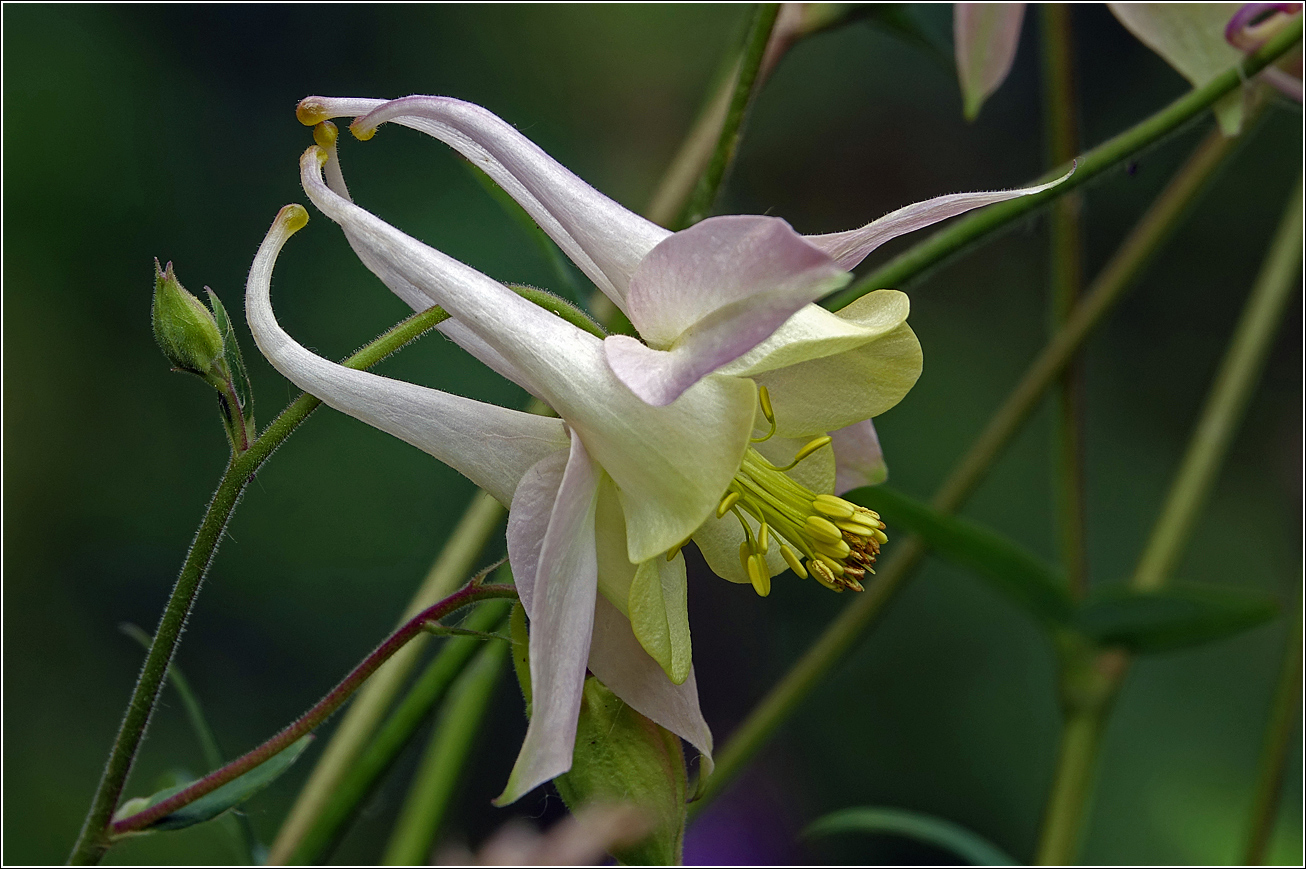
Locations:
{"points": [[822, 529], [853, 584], [834, 566], [795, 563], [838, 551], [764, 538], [726, 503], [759, 575], [823, 575], [854, 527], [764, 396], [808, 448], [310, 112], [767, 411], [325, 134], [880, 537], [744, 552], [835, 508], [294, 217]]}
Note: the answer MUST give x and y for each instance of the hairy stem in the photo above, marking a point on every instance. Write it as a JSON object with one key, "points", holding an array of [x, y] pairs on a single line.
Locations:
{"points": [[746, 83], [309, 721]]}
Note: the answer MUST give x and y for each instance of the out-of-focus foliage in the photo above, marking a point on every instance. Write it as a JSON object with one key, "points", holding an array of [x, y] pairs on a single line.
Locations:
{"points": [[153, 130]]}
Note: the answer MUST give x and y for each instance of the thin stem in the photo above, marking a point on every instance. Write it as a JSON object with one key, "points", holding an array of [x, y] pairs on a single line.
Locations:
{"points": [[361, 777], [1227, 401], [915, 261], [1060, 105], [444, 760], [93, 840], [1284, 714], [691, 161], [1234, 383], [455, 561], [746, 84], [306, 723], [966, 475]]}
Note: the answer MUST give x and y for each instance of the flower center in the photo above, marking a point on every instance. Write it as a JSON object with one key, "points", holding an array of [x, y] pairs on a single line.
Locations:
{"points": [[832, 540]]}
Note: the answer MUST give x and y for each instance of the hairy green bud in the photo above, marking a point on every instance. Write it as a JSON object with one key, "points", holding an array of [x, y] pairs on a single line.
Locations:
{"points": [[185, 330]]}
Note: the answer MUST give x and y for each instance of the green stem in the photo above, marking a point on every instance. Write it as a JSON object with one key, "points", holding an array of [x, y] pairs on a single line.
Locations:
{"points": [[455, 561], [946, 242], [442, 764], [309, 721], [745, 88], [840, 636], [1284, 714], [1059, 105], [362, 776], [1221, 415], [1227, 401], [93, 839]]}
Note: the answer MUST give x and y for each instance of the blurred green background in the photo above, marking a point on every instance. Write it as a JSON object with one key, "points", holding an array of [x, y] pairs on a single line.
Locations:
{"points": [[140, 131]]}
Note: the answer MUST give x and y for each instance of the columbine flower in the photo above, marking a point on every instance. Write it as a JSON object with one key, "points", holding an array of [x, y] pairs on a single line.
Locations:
{"points": [[657, 442]]}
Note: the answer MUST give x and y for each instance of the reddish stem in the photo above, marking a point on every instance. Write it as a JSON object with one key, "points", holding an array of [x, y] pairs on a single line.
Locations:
{"points": [[313, 717]]}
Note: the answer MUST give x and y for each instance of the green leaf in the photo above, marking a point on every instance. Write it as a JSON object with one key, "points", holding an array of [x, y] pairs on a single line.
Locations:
{"points": [[622, 756], [971, 847], [1174, 617], [227, 797], [1008, 567]]}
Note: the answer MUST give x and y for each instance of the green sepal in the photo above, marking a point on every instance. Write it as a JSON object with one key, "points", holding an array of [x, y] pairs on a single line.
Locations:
{"points": [[621, 755], [235, 364], [1007, 566], [659, 616], [1174, 617], [225, 798]]}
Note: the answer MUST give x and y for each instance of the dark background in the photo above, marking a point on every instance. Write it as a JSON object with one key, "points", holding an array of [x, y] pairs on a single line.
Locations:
{"points": [[135, 132]]}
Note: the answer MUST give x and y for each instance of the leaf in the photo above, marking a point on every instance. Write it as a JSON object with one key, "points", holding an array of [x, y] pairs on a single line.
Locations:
{"points": [[1175, 617], [227, 797], [1008, 567], [972, 847]]}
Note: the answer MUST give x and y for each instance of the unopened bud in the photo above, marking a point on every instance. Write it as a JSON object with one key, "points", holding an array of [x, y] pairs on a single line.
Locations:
{"points": [[184, 329]]}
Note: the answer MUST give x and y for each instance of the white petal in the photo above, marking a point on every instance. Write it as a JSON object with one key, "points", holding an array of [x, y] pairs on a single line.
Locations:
{"points": [[490, 445], [563, 601], [851, 247], [832, 392], [670, 464], [606, 240], [619, 662], [709, 294], [528, 520], [859, 461], [814, 332]]}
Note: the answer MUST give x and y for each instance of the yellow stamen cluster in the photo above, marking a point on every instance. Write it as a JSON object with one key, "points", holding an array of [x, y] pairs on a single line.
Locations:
{"points": [[832, 540]]}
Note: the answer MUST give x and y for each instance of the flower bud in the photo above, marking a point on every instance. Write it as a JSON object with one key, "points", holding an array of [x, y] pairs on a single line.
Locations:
{"points": [[185, 330]]}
